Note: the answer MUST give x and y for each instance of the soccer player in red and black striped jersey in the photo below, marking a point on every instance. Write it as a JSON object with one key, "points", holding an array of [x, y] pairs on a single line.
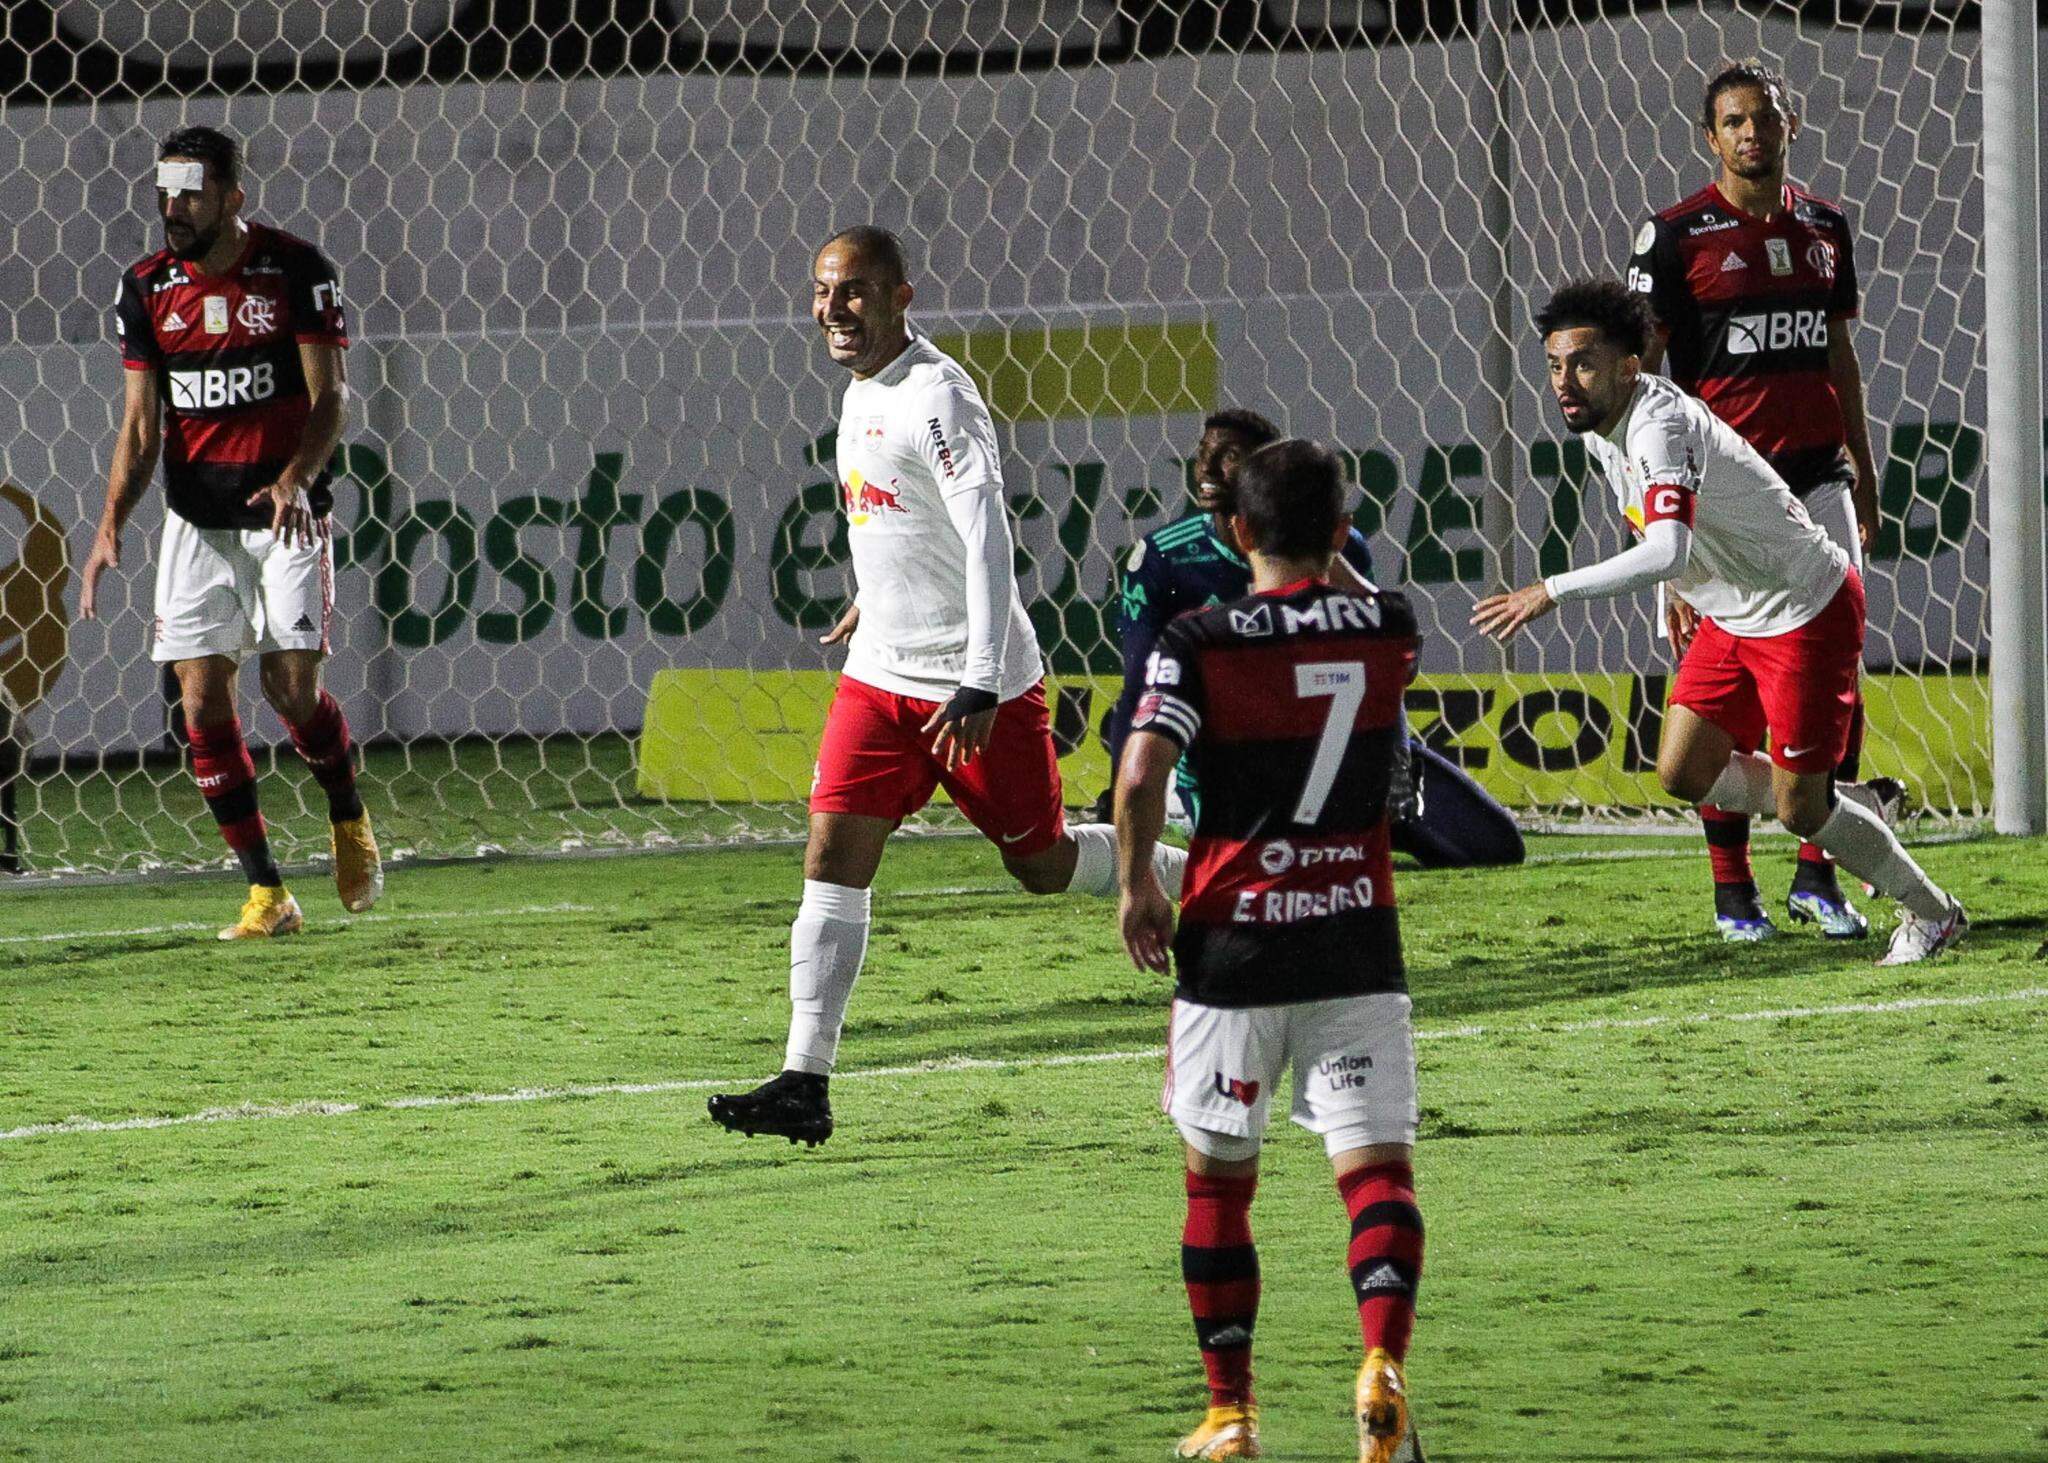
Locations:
{"points": [[1287, 702], [1752, 281], [232, 336]]}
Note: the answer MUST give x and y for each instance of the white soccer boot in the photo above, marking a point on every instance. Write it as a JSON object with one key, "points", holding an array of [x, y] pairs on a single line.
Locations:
{"points": [[1918, 939]]}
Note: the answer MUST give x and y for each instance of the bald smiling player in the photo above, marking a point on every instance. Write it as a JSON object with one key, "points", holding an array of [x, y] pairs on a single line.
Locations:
{"points": [[943, 684]]}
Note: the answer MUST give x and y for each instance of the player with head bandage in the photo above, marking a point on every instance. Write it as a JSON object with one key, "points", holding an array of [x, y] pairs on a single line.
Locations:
{"points": [[943, 684], [1780, 641], [232, 335]]}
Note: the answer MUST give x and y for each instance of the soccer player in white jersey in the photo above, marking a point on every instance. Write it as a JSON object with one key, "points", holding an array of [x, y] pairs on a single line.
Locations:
{"points": [[1780, 641], [943, 683]]}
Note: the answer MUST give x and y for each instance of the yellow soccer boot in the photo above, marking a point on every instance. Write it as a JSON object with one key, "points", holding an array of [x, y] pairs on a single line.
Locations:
{"points": [[1227, 1432], [268, 912], [358, 875], [1382, 1407]]}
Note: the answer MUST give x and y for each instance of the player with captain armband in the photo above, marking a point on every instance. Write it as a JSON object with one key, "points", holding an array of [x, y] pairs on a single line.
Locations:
{"points": [[1780, 642], [1752, 282]]}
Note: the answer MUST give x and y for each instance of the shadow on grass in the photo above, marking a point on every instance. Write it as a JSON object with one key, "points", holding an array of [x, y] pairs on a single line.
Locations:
{"points": [[1777, 1453]]}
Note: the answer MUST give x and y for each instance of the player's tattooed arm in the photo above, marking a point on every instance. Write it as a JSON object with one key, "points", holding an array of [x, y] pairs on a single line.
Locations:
{"points": [[136, 449], [1144, 913], [291, 515]]}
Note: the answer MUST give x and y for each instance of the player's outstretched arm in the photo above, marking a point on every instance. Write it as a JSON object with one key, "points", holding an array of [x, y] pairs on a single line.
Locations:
{"points": [[1662, 555], [136, 448], [1144, 912]]}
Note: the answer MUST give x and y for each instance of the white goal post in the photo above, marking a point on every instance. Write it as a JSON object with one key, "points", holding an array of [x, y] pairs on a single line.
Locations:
{"points": [[588, 528]]}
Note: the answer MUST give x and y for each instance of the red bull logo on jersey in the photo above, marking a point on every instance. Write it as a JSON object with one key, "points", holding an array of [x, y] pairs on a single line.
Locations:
{"points": [[864, 499], [1236, 1089]]}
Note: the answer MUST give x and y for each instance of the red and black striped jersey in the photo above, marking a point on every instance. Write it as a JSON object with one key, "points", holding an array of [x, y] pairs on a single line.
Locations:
{"points": [[1746, 304], [1288, 705], [225, 350]]}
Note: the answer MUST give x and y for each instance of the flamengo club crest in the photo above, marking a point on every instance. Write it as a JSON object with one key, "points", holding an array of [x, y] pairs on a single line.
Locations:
{"points": [[1820, 258], [257, 315]]}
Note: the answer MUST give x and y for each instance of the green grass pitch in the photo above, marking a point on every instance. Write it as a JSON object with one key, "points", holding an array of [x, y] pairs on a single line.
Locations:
{"points": [[1685, 1201]]}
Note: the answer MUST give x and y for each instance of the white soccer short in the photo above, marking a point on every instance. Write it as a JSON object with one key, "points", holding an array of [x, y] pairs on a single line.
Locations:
{"points": [[1353, 1060], [239, 592]]}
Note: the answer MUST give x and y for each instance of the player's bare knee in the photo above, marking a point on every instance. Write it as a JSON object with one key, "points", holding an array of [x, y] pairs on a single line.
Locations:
{"points": [[292, 692], [1683, 781], [1039, 875], [207, 692], [1802, 810]]}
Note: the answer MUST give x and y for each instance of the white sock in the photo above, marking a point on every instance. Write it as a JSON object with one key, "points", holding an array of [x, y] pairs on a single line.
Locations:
{"points": [[1862, 844], [1095, 862], [827, 943], [1094, 859], [1744, 786]]}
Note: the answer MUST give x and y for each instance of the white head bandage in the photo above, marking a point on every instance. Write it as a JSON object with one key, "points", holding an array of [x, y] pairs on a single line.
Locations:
{"points": [[176, 178]]}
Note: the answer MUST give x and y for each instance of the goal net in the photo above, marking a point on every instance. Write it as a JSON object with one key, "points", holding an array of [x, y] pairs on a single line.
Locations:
{"points": [[588, 529]]}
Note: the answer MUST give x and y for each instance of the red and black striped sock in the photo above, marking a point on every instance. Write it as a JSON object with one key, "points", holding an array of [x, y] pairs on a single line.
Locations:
{"points": [[1221, 1267], [324, 742], [226, 774], [1385, 1253], [1815, 872], [1728, 847]]}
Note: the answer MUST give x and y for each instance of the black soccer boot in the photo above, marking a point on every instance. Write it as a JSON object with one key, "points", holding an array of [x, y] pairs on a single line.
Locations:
{"points": [[792, 1105], [1739, 914]]}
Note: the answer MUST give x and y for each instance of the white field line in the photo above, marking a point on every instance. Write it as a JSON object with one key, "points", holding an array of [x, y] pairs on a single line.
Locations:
{"points": [[250, 1112], [1689, 848], [138, 931]]}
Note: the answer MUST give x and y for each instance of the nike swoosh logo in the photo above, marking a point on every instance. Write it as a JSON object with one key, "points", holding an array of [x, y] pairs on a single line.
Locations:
{"points": [[1791, 752], [1020, 837]]}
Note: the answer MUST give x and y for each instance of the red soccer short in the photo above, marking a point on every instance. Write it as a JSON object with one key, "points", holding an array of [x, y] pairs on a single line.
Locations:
{"points": [[874, 760], [1800, 686]]}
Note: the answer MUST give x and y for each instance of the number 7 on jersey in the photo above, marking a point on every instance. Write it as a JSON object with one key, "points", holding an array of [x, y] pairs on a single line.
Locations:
{"points": [[1343, 681]]}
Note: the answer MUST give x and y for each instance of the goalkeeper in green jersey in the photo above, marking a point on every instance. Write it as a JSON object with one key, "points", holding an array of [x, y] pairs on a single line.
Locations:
{"points": [[1451, 821]]}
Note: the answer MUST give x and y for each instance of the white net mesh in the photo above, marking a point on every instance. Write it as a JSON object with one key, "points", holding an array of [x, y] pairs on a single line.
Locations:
{"points": [[584, 468]]}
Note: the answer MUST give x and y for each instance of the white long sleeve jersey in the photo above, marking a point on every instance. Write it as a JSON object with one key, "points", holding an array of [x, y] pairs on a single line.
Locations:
{"points": [[922, 485], [1750, 558]]}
